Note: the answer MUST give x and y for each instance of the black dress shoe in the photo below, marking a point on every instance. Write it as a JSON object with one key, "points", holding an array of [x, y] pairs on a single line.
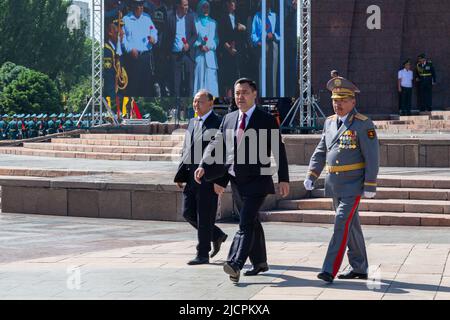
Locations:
{"points": [[261, 267], [353, 275], [233, 271], [217, 244], [325, 276], [198, 260]]}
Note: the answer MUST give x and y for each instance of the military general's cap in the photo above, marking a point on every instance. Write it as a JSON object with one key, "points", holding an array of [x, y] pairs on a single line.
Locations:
{"points": [[421, 56], [342, 88]]}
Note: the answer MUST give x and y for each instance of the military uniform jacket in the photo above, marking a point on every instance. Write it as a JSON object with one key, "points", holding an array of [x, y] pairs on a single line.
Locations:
{"points": [[350, 155]]}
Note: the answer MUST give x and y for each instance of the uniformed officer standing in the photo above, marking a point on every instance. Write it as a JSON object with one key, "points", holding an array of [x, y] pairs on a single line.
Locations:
{"points": [[141, 36], [32, 126], [69, 123], [52, 124], [426, 79], [60, 123], [349, 150], [4, 127], [21, 126], [12, 128]]}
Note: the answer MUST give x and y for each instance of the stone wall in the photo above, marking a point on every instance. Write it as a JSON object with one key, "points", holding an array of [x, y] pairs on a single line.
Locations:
{"points": [[371, 58]]}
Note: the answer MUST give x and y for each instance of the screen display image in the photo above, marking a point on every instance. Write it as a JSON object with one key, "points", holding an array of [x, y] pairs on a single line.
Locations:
{"points": [[173, 48]]}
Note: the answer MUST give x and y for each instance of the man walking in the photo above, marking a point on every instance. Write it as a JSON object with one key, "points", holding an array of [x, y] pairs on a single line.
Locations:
{"points": [[247, 166], [349, 150], [200, 200]]}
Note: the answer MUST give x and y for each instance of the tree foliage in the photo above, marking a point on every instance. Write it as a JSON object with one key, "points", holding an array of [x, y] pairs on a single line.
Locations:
{"points": [[27, 91]]}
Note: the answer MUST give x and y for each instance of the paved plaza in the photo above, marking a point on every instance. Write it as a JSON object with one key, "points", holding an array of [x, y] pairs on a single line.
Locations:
{"points": [[44, 257], [49, 257]]}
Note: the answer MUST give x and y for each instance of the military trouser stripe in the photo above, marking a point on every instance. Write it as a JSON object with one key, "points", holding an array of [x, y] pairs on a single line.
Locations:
{"points": [[340, 255]]}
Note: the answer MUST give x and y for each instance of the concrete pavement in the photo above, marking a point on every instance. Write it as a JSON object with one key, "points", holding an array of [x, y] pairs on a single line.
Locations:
{"points": [[44, 257]]}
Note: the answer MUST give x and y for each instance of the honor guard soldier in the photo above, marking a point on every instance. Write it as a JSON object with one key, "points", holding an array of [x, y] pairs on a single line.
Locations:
{"points": [[32, 126], [52, 124], [349, 151], [69, 124], [426, 79], [60, 122], [21, 126], [116, 78], [12, 128], [4, 127]]}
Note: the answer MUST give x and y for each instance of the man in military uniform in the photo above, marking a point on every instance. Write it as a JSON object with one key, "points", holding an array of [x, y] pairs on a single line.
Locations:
{"points": [[32, 126], [115, 76], [52, 125], [426, 79], [21, 126], [349, 150], [42, 125], [69, 124], [60, 122], [12, 128], [4, 127]]}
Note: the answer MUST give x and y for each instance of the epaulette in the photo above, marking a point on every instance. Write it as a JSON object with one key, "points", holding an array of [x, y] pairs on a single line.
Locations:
{"points": [[361, 117]]}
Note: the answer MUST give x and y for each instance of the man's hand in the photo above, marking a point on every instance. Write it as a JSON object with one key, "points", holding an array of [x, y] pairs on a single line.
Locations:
{"points": [[186, 47], [180, 185], [369, 195], [204, 48], [151, 40], [198, 174], [270, 36], [218, 189], [284, 189], [134, 53], [241, 27], [309, 185]]}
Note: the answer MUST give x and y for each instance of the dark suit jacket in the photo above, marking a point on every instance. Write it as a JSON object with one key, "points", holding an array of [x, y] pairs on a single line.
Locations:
{"points": [[187, 163], [252, 177], [191, 31], [227, 33]]}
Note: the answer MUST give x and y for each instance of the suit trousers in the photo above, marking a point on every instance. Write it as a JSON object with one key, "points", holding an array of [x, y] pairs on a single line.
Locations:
{"points": [[183, 75], [199, 209], [249, 241], [347, 233]]}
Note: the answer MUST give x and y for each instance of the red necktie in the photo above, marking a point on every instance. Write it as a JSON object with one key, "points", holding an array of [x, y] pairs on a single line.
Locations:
{"points": [[241, 128]]}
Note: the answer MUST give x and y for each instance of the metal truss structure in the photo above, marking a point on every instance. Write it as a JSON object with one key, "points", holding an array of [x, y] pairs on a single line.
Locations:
{"points": [[304, 113], [97, 102]]}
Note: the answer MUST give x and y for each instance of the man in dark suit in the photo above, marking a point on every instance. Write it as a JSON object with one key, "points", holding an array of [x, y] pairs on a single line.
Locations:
{"points": [[232, 37], [200, 200], [249, 136], [181, 35]]}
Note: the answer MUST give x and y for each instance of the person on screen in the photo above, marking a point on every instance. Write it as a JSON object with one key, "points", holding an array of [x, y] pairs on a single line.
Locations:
{"points": [[205, 74], [141, 36], [180, 37], [272, 39], [232, 36]]}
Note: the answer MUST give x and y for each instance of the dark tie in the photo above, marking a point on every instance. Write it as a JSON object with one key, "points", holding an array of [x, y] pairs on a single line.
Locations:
{"points": [[241, 128], [339, 123]]}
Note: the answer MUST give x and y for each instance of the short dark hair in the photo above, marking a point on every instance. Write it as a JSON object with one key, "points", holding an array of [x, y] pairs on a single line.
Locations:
{"points": [[206, 93], [250, 82]]}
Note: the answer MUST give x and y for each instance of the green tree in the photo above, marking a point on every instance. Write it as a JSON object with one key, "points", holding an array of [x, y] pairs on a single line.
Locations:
{"points": [[151, 106], [34, 34], [30, 92], [76, 100]]}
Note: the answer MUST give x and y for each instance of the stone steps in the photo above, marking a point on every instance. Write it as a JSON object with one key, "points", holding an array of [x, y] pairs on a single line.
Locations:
{"points": [[136, 137], [427, 122], [137, 143], [89, 155], [102, 149], [402, 193], [367, 218], [376, 205]]}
